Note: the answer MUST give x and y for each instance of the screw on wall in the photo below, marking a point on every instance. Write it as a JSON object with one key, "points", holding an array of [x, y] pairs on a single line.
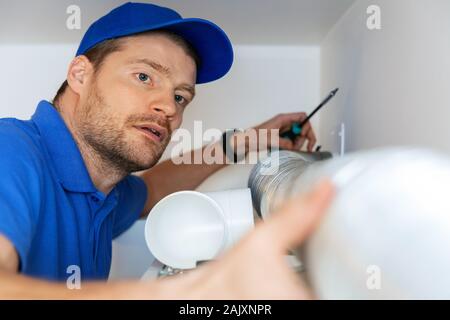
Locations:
{"points": [[342, 139]]}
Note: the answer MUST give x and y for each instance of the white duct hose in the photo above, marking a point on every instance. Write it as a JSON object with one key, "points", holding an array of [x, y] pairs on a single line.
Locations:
{"points": [[386, 234]]}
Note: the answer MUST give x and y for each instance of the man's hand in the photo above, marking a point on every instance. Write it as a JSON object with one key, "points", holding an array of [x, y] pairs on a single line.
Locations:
{"points": [[283, 122], [9, 259], [256, 268]]}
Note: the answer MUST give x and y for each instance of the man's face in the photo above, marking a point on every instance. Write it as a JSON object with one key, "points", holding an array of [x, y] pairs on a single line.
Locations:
{"points": [[136, 100]]}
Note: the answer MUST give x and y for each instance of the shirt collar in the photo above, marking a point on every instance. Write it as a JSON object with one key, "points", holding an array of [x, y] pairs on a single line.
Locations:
{"points": [[62, 148]]}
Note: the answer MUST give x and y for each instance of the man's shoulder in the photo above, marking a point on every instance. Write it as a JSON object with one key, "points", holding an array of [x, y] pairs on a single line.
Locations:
{"points": [[16, 129], [19, 142]]}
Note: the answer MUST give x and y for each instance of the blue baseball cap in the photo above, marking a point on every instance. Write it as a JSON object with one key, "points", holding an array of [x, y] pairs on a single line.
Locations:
{"points": [[210, 42]]}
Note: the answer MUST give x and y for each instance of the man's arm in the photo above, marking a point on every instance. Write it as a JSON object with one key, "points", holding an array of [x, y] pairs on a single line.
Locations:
{"points": [[168, 177], [16, 286], [9, 260], [240, 274]]}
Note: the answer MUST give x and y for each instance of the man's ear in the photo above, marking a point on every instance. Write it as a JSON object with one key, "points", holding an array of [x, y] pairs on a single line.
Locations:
{"points": [[80, 70]]}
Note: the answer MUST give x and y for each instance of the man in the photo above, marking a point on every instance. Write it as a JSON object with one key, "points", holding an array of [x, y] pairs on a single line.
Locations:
{"points": [[66, 187]]}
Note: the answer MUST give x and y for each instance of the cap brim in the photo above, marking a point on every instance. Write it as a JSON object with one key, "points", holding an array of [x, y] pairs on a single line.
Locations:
{"points": [[211, 44]]}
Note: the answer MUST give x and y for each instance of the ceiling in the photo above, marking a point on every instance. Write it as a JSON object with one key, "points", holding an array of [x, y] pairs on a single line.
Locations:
{"points": [[283, 22]]}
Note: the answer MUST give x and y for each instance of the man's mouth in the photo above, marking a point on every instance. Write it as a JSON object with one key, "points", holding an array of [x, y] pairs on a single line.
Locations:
{"points": [[153, 132]]}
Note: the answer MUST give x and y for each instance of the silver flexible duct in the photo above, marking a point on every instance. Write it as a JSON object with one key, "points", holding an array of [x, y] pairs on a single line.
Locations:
{"points": [[270, 186], [386, 234]]}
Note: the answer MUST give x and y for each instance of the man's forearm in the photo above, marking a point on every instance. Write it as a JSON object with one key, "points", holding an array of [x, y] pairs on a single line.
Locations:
{"points": [[168, 176], [17, 286]]}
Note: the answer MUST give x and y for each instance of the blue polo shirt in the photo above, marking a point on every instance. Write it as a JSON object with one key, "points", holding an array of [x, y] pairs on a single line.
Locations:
{"points": [[49, 207]]}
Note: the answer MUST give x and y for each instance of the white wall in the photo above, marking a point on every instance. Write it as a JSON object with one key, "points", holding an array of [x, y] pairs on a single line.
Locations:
{"points": [[31, 73], [395, 81], [254, 22]]}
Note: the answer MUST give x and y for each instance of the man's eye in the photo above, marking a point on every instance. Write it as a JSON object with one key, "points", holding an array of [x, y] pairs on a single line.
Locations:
{"points": [[143, 77], [179, 99]]}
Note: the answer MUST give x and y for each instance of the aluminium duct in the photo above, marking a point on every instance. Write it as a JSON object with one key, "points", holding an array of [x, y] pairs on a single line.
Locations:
{"points": [[386, 234]]}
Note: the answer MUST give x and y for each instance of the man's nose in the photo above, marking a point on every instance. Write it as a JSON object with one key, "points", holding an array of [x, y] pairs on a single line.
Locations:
{"points": [[164, 104]]}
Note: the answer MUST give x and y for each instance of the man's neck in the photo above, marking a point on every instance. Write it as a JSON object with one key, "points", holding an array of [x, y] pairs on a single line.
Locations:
{"points": [[103, 174]]}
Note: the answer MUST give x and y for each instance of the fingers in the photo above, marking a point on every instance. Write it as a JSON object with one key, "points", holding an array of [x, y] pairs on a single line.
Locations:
{"points": [[286, 144], [310, 136], [292, 117], [299, 142], [297, 219], [285, 120], [307, 134]]}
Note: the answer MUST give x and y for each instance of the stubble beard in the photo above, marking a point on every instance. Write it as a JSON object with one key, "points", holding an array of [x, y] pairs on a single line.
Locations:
{"points": [[105, 135]]}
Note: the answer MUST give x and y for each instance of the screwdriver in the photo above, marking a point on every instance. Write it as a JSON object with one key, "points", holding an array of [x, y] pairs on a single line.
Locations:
{"points": [[296, 128]]}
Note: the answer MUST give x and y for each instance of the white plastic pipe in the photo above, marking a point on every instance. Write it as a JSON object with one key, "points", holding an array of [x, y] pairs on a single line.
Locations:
{"points": [[188, 227]]}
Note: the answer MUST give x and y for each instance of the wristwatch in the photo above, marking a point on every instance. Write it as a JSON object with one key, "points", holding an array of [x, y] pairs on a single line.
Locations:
{"points": [[228, 150]]}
